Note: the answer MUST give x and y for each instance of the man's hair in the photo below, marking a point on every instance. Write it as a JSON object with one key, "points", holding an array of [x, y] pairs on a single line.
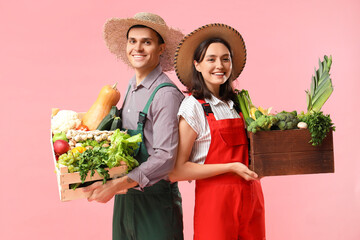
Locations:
{"points": [[198, 87], [160, 39]]}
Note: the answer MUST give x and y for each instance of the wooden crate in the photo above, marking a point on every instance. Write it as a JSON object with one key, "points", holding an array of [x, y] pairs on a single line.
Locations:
{"points": [[289, 152], [64, 178]]}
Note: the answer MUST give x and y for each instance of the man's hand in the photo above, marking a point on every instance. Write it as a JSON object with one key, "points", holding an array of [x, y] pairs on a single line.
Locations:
{"points": [[104, 192]]}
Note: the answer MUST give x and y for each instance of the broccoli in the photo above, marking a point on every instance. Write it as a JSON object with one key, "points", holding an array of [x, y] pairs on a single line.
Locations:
{"points": [[287, 120], [264, 122]]}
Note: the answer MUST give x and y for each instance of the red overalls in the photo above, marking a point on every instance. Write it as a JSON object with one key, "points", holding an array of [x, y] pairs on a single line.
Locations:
{"points": [[227, 207]]}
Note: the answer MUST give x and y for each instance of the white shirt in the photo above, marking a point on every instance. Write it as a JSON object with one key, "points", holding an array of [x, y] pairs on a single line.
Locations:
{"points": [[192, 111]]}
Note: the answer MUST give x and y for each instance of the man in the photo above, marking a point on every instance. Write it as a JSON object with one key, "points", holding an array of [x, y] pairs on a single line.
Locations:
{"points": [[151, 208]]}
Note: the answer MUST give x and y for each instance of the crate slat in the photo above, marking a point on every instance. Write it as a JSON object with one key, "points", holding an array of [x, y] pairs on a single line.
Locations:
{"points": [[69, 178]]}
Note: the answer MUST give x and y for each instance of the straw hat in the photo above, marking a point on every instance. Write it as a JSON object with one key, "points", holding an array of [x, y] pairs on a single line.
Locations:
{"points": [[185, 51], [115, 30]]}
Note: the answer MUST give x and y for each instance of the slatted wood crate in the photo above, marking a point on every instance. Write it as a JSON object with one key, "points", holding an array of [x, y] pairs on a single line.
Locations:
{"points": [[64, 179], [289, 152]]}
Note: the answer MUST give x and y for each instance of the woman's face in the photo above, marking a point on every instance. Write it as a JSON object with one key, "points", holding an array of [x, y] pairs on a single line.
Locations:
{"points": [[216, 66]]}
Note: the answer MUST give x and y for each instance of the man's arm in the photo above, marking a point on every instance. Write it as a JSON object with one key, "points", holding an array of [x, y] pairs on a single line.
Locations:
{"points": [[163, 125]]}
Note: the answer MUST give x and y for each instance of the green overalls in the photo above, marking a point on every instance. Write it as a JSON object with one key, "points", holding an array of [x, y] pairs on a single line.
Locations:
{"points": [[154, 213]]}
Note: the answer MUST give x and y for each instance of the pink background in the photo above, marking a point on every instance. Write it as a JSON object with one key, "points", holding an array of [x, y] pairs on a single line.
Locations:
{"points": [[52, 55]]}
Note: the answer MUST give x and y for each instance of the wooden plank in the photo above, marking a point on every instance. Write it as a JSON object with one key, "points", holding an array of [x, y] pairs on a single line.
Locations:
{"points": [[275, 153], [69, 178], [69, 194]]}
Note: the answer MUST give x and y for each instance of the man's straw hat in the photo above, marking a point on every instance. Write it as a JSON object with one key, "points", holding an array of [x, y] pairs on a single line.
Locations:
{"points": [[115, 31]]}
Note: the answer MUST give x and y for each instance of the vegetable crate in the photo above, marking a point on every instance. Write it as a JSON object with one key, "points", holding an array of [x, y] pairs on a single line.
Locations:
{"points": [[64, 179], [289, 152]]}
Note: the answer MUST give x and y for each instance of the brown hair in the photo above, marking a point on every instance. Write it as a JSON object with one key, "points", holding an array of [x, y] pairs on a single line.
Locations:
{"points": [[198, 87], [160, 39]]}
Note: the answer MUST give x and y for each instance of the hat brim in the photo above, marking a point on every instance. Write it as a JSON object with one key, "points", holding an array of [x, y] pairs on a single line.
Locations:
{"points": [[115, 30], [184, 53]]}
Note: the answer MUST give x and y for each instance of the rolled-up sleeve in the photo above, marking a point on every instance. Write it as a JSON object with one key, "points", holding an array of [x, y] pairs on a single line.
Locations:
{"points": [[161, 138]]}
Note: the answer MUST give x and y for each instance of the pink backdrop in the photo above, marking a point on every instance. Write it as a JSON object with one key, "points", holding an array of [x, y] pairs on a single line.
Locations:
{"points": [[52, 55]]}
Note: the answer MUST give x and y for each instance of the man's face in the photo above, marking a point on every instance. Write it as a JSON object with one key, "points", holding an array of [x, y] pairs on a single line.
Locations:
{"points": [[143, 49]]}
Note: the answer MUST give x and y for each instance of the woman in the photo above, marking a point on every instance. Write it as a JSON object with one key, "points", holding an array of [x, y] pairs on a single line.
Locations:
{"points": [[213, 146]]}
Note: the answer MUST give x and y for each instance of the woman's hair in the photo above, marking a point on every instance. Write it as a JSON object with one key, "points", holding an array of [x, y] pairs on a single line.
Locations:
{"points": [[198, 87]]}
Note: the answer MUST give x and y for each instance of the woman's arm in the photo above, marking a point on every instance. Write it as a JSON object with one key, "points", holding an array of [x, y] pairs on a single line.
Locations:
{"points": [[186, 170]]}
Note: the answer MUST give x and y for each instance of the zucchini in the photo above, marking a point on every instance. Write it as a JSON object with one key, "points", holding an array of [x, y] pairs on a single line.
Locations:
{"points": [[115, 124], [106, 123]]}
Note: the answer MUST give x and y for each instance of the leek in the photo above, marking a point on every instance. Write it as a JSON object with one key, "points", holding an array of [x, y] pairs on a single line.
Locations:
{"points": [[321, 86]]}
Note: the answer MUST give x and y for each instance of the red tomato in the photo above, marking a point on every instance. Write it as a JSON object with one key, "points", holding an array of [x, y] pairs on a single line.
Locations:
{"points": [[82, 127]]}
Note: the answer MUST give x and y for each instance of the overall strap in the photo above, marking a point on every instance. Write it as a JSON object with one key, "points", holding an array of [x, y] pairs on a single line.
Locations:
{"points": [[207, 109], [143, 114]]}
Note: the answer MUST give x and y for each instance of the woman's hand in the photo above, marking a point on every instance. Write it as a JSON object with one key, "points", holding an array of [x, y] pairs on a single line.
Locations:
{"points": [[243, 171]]}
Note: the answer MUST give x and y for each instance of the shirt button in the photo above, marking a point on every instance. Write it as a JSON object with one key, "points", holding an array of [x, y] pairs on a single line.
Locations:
{"points": [[128, 110]]}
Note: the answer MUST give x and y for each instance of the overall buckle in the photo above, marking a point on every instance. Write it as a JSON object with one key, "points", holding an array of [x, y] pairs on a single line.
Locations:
{"points": [[207, 108], [142, 118]]}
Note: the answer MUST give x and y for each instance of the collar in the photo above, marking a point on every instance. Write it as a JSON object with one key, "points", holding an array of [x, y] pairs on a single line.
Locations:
{"points": [[215, 101], [149, 79]]}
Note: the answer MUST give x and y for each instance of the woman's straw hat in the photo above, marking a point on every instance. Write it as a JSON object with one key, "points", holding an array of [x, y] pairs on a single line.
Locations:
{"points": [[185, 51], [115, 31]]}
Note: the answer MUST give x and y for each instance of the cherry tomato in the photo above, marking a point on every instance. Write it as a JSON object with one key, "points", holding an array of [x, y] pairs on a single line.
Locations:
{"points": [[82, 127]]}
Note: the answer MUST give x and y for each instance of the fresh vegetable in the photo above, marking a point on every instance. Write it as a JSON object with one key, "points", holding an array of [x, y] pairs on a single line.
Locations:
{"points": [[75, 136], [287, 120], [318, 124], [244, 102], [108, 120], [302, 125], [109, 96], [249, 111], [64, 120], [122, 148], [321, 86], [54, 111], [262, 110], [82, 127], [91, 160], [61, 146], [78, 149], [93, 143], [262, 123], [258, 114], [116, 124], [59, 136]]}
